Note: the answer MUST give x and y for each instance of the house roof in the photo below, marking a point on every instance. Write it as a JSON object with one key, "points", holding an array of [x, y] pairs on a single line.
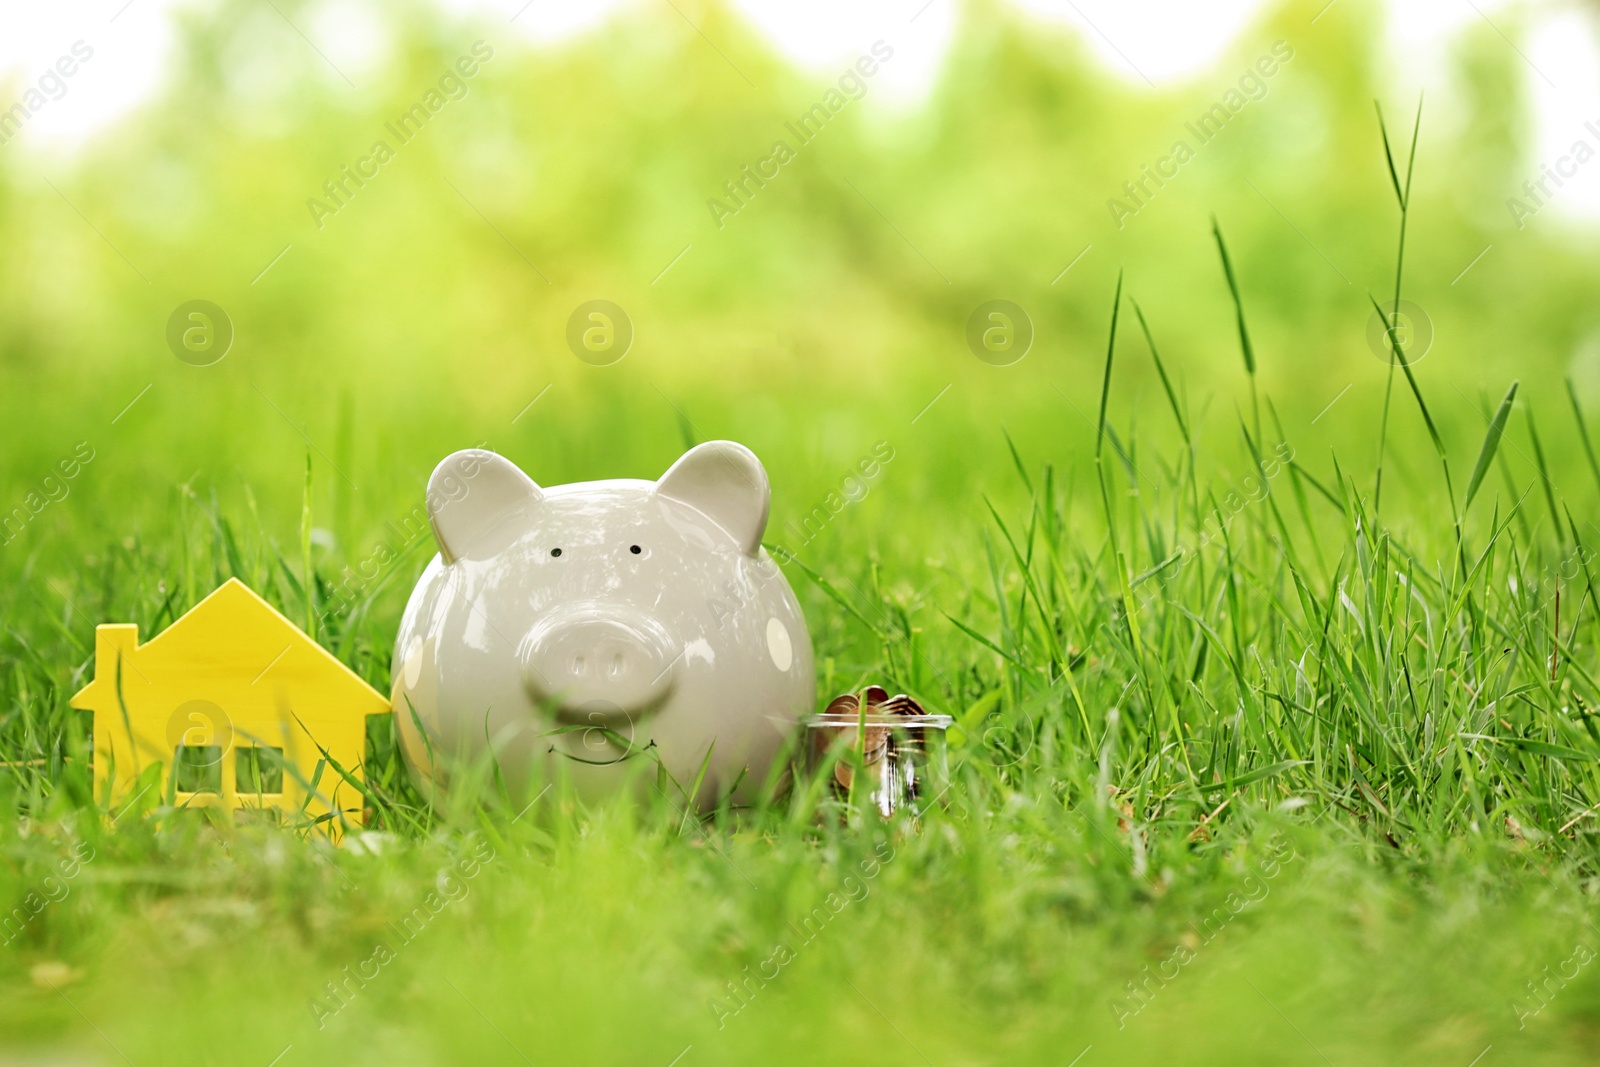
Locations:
{"points": [[230, 639]]}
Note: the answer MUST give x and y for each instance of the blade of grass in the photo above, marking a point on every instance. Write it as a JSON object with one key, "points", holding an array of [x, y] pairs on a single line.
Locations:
{"points": [[1491, 442]]}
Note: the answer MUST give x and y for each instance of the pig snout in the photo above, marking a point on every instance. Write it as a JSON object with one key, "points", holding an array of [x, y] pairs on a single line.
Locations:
{"points": [[596, 662]]}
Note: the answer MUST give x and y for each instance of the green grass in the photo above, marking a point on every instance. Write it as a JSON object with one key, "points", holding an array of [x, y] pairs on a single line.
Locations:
{"points": [[1275, 736], [1242, 773]]}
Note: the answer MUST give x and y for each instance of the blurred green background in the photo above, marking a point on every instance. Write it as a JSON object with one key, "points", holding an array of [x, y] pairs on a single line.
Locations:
{"points": [[821, 318]]}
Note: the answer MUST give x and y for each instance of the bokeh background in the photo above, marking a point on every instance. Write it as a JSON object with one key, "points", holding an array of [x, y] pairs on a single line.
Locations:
{"points": [[825, 315]]}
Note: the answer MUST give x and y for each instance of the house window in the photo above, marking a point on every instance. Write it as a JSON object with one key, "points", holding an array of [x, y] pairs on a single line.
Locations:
{"points": [[198, 769], [258, 770]]}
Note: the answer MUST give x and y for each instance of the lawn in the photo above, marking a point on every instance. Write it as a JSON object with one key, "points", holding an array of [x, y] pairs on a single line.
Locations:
{"points": [[1271, 645]]}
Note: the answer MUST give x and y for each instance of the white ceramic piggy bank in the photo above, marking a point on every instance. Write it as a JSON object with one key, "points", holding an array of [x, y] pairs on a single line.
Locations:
{"points": [[566, 627]]}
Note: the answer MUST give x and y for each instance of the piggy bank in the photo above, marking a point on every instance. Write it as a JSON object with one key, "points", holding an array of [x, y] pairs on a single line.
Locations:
{"points": [[583, 630]]}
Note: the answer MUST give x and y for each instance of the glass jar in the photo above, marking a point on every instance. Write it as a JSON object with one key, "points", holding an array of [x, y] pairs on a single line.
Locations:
{"points": [[890, 762]]}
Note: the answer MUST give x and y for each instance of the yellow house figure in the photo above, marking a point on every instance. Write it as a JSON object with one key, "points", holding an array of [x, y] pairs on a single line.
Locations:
{"points": [[239, 707]]}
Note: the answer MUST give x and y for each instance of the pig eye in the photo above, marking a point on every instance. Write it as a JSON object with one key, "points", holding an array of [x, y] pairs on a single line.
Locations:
{"points": [[635, 549], [555, 552]]}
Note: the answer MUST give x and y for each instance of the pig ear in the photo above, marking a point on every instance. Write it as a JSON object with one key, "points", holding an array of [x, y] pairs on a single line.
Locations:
{"points": [[726, 483], [478, 503]]}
